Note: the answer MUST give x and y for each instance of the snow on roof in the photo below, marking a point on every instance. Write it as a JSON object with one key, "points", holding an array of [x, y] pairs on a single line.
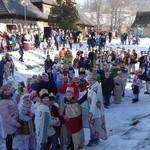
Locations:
{"points": [[16, 8]]}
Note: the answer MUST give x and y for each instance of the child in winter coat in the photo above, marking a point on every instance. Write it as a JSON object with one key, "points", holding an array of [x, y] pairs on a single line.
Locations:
{"points": [[44, 122], [71, 113], [54, 112], [26, 133], [136, 85]]}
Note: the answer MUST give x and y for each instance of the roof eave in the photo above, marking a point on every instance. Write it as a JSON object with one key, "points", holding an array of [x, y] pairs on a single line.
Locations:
{"points": [[14, 16]]}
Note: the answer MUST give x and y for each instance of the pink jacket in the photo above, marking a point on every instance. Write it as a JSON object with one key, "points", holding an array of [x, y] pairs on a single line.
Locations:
{"points": [[9, 115], [137, 81]]}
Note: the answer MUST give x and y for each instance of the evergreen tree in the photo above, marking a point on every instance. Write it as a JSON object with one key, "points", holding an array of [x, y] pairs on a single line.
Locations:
{"points": [[63, 16]]}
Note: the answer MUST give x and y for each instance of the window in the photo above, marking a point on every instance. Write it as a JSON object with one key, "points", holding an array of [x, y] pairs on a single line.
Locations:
{"points": [[46, 10]]}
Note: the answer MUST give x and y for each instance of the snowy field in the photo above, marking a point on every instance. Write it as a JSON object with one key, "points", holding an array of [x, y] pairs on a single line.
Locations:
{"points": [[128, 124]]}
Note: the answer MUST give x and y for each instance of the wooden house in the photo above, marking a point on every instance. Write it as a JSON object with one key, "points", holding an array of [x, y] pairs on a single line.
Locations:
{"points": [[34, 13], [141, 25], [21, 12]]}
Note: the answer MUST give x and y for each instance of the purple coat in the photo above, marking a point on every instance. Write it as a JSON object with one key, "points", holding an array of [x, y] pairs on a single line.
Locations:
{"points": [[9, 115]]}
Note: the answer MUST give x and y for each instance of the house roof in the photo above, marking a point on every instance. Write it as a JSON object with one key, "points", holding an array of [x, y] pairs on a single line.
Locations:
{"points": [[50, 2], [142, 19], [16, 8], [83, 18]]}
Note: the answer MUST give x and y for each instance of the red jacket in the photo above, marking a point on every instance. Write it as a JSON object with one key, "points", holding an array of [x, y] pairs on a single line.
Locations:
{"points": [[63, 88], [76, 89]]}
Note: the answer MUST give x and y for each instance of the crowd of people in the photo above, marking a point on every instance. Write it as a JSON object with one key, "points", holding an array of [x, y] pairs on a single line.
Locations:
{"points": [[50, 111], [15, 40]]}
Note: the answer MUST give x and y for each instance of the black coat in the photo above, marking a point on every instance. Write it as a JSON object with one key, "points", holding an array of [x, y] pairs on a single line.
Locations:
{"points": [[50, 86], [107, 86], [92, 55], [110, 35], [142, 61], [48, 64], [81, 62], [144, 76], [87, 64]]}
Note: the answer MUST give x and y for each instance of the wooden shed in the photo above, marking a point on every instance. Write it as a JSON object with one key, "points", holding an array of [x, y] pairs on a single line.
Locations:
{"points": [[141, 25]]}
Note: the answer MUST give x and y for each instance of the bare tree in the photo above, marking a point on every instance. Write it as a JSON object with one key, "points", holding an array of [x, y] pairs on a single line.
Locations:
{"points": [[97, 7], [114, 13], [119, 11]]}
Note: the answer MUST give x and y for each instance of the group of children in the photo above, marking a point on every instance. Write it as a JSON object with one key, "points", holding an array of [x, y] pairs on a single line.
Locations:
{"points": [[42, 122]]}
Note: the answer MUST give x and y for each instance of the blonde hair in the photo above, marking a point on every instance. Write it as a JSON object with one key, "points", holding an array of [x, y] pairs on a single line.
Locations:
{"points": [[4, 87]]}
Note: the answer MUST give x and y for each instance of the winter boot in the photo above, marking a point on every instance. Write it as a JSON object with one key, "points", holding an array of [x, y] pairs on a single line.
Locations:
{"points": [[135, 100]]}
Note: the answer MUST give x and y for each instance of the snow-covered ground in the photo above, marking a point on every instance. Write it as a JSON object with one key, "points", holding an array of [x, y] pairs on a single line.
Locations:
{"points": [[128, 124]]}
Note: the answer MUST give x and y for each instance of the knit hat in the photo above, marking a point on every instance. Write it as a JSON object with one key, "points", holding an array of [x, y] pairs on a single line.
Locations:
{"points": [[26, 103], [25, 96], [71, 89], [43, 93], [33, 95], [44, 74], [26, 106]]}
